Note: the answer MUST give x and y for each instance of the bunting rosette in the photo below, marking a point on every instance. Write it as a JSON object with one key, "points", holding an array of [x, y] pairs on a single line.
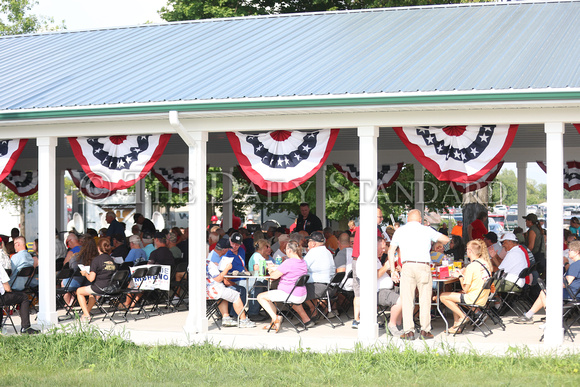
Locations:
{"points": [[86, 186], [173, 179], [386, 176], [22, 183], [10, 151], [571, 174], [282, 160], [462, 154], [482, 183], [118, 162]]}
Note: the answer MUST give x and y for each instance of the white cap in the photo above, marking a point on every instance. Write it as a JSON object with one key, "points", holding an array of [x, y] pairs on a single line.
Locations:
{"points": [[508, 236]]}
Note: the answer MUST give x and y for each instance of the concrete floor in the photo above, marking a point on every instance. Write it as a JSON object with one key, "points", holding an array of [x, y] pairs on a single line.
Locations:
{"points": [[168, 329]]}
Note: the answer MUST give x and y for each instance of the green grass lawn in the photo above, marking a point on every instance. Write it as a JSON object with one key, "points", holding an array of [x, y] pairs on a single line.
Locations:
{"points": [[87, 357]]}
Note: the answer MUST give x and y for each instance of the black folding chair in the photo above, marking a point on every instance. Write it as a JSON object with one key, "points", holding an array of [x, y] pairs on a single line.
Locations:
{"points": [[131, 293], [471, 310], [180, 288], [212, 310], [28, 273], [287, 304], [119, 281], [149, 296], [7, 311], [348, 295], [324, 304], [514, 298], [61, 291], [59, 264], [571, 309], [569, 304]]}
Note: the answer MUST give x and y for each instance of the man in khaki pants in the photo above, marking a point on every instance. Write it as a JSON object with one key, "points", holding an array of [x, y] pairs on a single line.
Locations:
{"points": [[414, 243]]}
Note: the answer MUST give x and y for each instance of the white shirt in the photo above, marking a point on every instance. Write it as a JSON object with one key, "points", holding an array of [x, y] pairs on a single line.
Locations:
{"points": [[414, 240], [3, 279], [384, 281], [320, 265], [513, 263]]}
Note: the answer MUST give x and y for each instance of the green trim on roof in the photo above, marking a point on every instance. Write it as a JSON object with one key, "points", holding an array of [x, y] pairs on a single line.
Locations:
{"points": [[290, 104]]}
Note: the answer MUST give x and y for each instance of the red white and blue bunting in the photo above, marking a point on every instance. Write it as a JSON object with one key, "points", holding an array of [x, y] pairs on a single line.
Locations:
{"points": [[387, 175], [118, 162], [571, 174], [86, 186], [22, 183], [10, 150], [282, 160], [484, 182], [173, 179], [463, 154]]}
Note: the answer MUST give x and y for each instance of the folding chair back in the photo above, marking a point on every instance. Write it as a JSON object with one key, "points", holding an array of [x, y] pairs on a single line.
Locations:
{"points": [[119, 280], [63, 275], [475, 313], [287, 304], [6, 313], [347, 294], [59, 264], [324, 304]]}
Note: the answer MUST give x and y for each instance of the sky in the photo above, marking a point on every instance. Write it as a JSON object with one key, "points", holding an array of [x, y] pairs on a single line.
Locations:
{"points": [[89, 14]]}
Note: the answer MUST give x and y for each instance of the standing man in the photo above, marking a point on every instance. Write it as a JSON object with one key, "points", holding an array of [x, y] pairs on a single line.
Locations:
{"points": [[414, 243], [145, 225], [307, 221], [114, 226]]}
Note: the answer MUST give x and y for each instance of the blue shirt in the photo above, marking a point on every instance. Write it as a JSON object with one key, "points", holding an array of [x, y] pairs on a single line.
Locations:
{"points": [[19, 261], [239, 262], [115, 228], [574, 271], [136, 256], [148, 249]]}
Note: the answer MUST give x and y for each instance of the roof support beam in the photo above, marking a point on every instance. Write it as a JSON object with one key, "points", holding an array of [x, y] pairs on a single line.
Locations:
{"points": [[555, 219], [522, 167]]}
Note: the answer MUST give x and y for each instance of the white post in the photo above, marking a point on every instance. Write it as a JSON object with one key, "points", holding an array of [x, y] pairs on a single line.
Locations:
{"points": [[321, 194], [140, 197], [420, 189], [368, 331], [47, 221], [554, 335], [196, 321], [522, 192], [60, 206], [228, 203]]}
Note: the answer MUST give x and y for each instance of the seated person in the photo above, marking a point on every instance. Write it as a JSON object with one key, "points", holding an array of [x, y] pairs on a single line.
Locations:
{"points": [[120, 249], [280, 254], [572, 277], [216, 289], [320, 268], [161, 255], [288, 273], [261, 254], [456, 248], [102, 269], [10, 297], [172, 245], [437, 253], [19, 261], [386, 296], [236, 256], [136, 255], [83, 257], [514, 262], [472, 279]]}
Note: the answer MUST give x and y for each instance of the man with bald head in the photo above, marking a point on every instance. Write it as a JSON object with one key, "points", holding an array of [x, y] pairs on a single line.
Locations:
{"points": [[414, 243]]}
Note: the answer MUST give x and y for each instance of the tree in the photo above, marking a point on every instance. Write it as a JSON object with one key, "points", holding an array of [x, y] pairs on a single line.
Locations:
{"points": [[505, 188], [15, 20], [177, 10]]}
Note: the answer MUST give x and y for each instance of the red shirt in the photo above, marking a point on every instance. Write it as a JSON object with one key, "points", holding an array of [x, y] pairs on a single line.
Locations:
{"points": [[356, 244], [478, 229]]}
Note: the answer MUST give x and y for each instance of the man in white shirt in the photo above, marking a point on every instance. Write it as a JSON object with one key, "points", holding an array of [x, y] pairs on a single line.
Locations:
{"points": [[514, 262], [414, 243], [16, 298], [320, 267]]}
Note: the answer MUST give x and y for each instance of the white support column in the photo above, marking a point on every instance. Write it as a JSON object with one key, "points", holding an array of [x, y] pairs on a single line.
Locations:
{"points": [[228, 204], [522, 192], [140, 196], [554, 334], [196, 321], [367, 261], [47, 221], [321, 194], [420, 188]]}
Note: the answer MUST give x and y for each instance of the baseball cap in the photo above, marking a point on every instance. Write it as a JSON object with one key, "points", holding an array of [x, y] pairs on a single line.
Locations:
{"points": [[147, 237], [491, 236], [317, 236], [237, 238], [160, 235], [214, 218], [531, 217], [508, 236], [223, 243]]}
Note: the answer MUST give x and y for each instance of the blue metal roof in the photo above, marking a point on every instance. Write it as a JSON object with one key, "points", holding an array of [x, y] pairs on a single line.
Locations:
{"points": [[503, 46]]}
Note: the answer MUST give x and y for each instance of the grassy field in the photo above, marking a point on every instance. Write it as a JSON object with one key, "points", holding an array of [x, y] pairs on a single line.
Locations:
{"points": [[89, 357]]}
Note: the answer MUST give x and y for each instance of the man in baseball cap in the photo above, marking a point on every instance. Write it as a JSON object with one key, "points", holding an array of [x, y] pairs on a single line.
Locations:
{"points": [[514, 262]]}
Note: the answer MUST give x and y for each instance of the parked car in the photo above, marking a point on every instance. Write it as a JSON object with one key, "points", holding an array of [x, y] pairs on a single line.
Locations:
{"points": [[500, 209], [496, 228], [513, 209]]}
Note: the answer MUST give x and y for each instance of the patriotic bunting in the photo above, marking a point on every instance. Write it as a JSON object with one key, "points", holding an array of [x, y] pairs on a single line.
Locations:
{"points": [[118, 162], [386, 176], [174, 179], [258, 189], [10, 150], [571, 174], [86, 186], [482, 183], [463, 154], [22, 183], [281, 160]]}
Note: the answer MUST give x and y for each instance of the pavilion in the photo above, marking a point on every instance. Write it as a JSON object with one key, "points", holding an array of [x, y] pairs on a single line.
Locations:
{"points": [[363, 71]]}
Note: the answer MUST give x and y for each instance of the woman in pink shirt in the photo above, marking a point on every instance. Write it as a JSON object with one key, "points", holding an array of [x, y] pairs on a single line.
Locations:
{"points": [[288, 273]]}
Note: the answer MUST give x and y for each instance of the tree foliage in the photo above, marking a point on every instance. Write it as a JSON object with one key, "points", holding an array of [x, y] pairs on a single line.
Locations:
{"points": [[15, 18], [177, 10]]}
